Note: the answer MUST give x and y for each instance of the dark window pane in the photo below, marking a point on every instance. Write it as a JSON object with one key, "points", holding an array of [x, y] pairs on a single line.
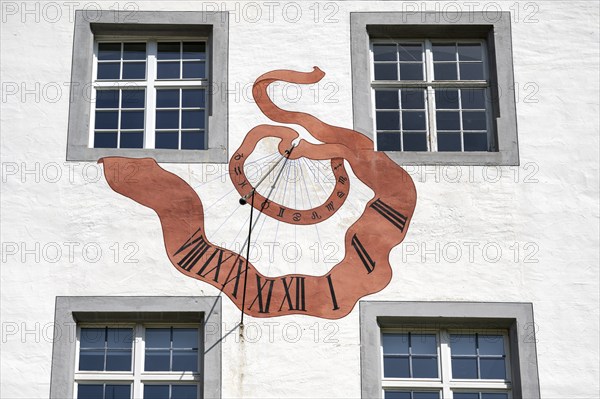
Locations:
{"points": [[169, 51], [492, 368], [411, 71], [415, 142], [446, 99], [466, 395], [185, 360], [109, 70], [473, 120], [449, 142], [116, 359], [413, 120], [91, 359], [471, 71], [192, 119], [194, 69], [119, 338], [107, 119], [388, 142], [463, 344], [105, 140], [426, 395], [90, 391], [134, 70], [447, 120], [132, 140], [185, 338], [388, 120], [469, 52], [472, 98], [424, 367], [413, 99], [168, 70], [157, 360], [132, 120], [410, 52], [397, 395], [192, 140], [158, 338], [92, 338], [167, 119], [196, 50], [184, 391], [396, 344], [464, 368], [384, 52], [423, 344], [386, 99], [491, 345], [107, 99], [485, 395], [444, 52], [476, 141], [133, 98], [156, 392], [117, 392], [167, 98], [109, 51], [444, 71], [193, 98], [167, 140], [134, 51], [395, 367], [386, 72]]}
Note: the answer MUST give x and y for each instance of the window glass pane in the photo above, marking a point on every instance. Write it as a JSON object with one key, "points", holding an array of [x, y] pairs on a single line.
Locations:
{"points": [[410, 52], [184, 391], [169, 51], [92, 338], [426, 395], [109, 70], [185, 360], [192, 119], [194, 69], [491, 345], [384, 52], [185, 338], [194, 50], [91, 359], [446, 99], [157, 360], [107, 99], [388, 120], [466, 395], [423, 344], [167, 140], [134, 70], [168, 70], [463, 344], [492, 368], [474, 120], [445, 71], [119, 338], [472, 98], [132, 140], [449, 141], [107, 119], [156, 391], [118, 360], [471, 71], [412, 99], [167, 98], [425, 367], [444, 52], [447, 120], [132, 120], [413, 120], [193, 140], [90, 391], [411, 71], [109, 51], [396, 367], [397, 395], [386, 99], [133, 98], [486, 395], [167, 119], [193, 98], [105, 139], [117, 392], [158, 338], [134, 51], [415, 142], [386, 72], [464, 368], [388, 142], [469, 52]]}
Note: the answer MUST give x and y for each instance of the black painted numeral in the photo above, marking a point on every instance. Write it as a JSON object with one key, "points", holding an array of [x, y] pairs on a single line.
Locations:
{"points": [[332, 291], [281, 210], [217, 267], [363, 254], [198, 245], [263, 303], [296, 287], [392, 216]]}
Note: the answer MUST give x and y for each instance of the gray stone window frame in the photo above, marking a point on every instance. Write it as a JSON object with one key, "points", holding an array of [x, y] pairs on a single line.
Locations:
{"points": [[495, 28], [152, 24], [204, 311], [516, 318]]}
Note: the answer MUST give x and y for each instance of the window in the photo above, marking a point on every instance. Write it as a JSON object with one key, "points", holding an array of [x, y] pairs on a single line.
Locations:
{"points": [[137, 348], [154, 88], [445, 350], [440, 86]]}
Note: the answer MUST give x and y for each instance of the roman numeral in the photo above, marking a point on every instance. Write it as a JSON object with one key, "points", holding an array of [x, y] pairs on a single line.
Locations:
{"points": [[363, 254], [240, 266], [332, 291], [200, 246], [263, 303], [217, 267], [300, 300], [330, 206], [281, 210], [392, 216], [342, 179], [237, 170]]}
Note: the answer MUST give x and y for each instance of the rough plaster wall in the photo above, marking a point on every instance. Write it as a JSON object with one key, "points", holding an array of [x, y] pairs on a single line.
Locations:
{"points": [[547, 208]]}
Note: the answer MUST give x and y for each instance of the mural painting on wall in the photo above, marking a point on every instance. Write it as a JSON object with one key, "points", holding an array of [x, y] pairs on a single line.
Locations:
{"points": [[365, 267]]}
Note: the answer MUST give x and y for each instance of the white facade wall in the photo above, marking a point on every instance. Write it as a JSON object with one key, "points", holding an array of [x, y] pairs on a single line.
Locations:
{"points": [[542, 215]]}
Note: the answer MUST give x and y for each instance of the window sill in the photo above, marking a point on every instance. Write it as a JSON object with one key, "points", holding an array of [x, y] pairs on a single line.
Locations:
{"points": [[453, 158], [212, 155]]}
